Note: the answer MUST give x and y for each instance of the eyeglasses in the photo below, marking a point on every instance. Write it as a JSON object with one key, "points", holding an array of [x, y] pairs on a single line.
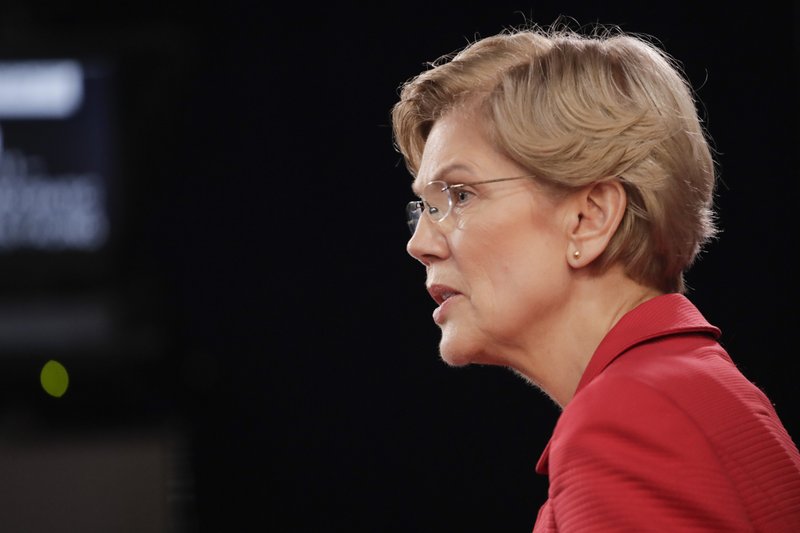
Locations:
{"points": [[438, 199]]}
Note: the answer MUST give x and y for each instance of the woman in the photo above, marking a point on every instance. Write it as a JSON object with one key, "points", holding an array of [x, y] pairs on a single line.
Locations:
{"points": [[566, 185]]}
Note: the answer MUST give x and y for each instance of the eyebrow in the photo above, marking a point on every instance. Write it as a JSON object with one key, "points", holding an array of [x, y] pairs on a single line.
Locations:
{"points": [[440, 175]]}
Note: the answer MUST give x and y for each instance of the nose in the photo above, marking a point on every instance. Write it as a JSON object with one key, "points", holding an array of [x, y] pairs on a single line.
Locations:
{"points": [[428, 243]]}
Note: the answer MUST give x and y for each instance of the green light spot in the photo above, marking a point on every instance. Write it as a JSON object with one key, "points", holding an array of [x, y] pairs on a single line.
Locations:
{"points": [[54, 378]]}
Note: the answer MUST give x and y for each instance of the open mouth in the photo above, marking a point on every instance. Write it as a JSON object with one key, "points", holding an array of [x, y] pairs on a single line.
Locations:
{"points": [[440, 293]]}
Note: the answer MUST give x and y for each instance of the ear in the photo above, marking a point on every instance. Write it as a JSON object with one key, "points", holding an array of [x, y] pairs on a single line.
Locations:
{"points": [[596, 213]]}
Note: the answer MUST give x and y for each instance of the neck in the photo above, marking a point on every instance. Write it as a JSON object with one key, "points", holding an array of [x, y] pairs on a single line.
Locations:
{"points": [[556, 361]]}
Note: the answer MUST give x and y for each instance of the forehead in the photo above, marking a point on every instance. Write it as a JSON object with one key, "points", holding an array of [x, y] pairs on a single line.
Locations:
{"points": [[458, 149]]}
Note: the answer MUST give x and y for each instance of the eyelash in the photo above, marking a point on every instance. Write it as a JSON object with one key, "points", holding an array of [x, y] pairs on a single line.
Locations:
{"points": [[458, 195]]}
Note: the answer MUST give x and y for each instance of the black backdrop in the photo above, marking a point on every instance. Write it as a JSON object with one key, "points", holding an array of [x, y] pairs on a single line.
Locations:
{"points": [[263, 230]]}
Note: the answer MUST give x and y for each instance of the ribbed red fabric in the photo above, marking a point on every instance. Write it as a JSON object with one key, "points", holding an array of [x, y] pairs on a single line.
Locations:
{"points": [[665, 434]]}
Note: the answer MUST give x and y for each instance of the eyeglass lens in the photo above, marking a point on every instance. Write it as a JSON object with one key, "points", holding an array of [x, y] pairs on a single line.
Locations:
{"points": [[437, 196], [436, 201], [413, 212]]}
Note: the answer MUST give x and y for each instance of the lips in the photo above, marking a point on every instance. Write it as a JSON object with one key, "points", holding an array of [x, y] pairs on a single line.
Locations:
{"points": [[440, 293]]}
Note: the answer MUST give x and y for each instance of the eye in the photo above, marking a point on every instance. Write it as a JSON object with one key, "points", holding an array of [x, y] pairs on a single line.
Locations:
{"points": [[461, 196]]}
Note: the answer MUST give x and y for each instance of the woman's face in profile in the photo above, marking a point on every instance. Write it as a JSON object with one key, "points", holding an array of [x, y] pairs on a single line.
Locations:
{"points": [[497, 264]]}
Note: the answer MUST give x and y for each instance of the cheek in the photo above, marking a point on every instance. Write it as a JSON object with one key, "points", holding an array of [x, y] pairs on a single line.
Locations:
{"points": [[507, 255], [518, 269]]}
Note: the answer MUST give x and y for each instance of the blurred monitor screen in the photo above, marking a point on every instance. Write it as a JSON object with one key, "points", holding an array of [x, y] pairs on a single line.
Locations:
{"points": [[57, 156]]}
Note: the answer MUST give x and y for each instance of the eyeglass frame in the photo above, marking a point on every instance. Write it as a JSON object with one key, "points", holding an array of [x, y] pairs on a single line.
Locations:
{"points": [[414, 208]]}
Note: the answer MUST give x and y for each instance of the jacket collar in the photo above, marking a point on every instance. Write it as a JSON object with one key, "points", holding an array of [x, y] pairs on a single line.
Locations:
{"points": [[663, 315]]}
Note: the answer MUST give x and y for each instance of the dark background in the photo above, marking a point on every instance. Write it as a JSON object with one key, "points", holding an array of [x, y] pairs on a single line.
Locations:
{"points": [[289, 373]]}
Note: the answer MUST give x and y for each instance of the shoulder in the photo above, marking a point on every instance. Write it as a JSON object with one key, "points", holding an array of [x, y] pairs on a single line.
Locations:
{"points": [[639, 461], [648, 410], [647, 414], [665, 426], [684, 387], [689, 375]]}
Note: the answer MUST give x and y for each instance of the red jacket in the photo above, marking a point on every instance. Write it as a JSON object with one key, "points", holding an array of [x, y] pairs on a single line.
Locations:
{"points": [[665, 434]]}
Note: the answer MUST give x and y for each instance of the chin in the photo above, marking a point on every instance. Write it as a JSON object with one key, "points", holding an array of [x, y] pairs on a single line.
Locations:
{"points": [[456, 353], [456, 360]]}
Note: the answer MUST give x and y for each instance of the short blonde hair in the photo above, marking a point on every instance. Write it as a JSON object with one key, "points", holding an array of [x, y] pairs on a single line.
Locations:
{"points": [[575, 109]]}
